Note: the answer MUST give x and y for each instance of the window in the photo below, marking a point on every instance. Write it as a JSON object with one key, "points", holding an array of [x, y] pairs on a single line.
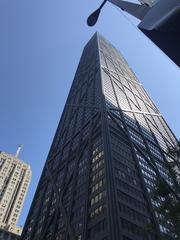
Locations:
{"points": [[97, 185], [98, 165], [97, 211], [97, 198], [97, 175]]}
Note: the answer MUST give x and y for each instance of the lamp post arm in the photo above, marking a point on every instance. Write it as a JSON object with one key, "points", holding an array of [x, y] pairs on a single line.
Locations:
{"points": [[136, 10]]}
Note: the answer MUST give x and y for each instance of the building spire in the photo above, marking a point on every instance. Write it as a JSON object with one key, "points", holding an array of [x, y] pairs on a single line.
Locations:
{"points": [[18, 150]]}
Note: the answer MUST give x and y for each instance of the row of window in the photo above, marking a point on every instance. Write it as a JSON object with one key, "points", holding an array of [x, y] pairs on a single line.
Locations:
{"points": [[140, 205], [133, 214], [97, 198]]}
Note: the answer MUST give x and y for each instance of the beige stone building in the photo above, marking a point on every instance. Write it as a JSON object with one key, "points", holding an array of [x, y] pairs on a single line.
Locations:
{"points": [[15, 177]]}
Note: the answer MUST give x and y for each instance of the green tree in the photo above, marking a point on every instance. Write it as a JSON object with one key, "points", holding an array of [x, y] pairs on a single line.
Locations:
{"points": [[167, 196]]}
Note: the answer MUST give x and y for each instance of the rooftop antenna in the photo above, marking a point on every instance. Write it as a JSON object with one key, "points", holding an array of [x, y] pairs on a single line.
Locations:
{"points": [[18, 150]]}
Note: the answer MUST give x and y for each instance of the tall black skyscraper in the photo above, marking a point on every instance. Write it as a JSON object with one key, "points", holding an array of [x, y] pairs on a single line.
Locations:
{"points": [[98, 176]]}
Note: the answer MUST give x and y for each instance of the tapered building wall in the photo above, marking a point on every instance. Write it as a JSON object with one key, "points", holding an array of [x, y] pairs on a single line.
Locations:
{"points": [[96, 180]]}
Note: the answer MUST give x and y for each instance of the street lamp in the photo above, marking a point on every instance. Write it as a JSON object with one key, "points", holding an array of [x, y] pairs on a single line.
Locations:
{"points": [[92, 19], [159, 22]]}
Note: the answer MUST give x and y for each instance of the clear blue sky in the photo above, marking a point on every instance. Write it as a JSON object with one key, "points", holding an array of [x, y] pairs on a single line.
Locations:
{"points": [[40, 46]]}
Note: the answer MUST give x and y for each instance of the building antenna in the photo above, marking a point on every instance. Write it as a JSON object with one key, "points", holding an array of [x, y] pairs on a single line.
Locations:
{"points": [[18, 150]]}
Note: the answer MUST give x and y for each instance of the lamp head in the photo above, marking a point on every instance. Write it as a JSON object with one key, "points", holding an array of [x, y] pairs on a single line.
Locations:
{"points": [[92, 19]]}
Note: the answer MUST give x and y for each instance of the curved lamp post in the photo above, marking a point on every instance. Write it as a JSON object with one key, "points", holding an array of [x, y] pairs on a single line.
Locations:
{"points": [[160, 23], [92, 19], [134, 9]]}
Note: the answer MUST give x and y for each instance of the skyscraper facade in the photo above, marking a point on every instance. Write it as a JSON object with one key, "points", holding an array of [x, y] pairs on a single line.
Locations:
{"points": [[102, 164], [15, 177]]}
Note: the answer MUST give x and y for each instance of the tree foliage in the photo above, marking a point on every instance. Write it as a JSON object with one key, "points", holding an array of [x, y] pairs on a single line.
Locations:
{"points": [[167, 197]]}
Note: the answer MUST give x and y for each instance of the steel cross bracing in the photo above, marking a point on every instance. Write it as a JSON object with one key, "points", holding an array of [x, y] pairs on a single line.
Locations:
{"points": [[136, 111], [131, 82], [89, 115], [151, 162], [59, 195], [165, 139], [50, 158], [55, 151], [146, 113], [146, 101], [111, 71], [156, 113], [133, 145]]}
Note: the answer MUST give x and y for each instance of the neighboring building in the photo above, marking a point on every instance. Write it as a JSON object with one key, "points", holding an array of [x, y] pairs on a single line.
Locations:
{"points": [[15, 177], [97, 178], [5, 235]]}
